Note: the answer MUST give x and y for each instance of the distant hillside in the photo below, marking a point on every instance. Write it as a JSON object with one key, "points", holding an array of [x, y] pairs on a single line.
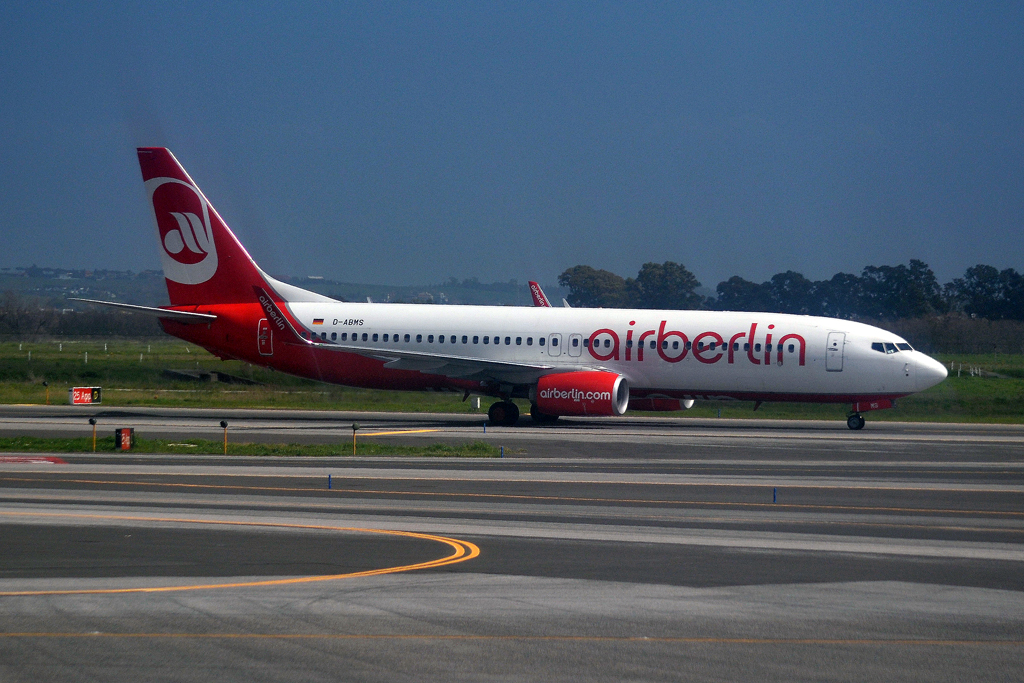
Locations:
{"points": [[52, 287]]}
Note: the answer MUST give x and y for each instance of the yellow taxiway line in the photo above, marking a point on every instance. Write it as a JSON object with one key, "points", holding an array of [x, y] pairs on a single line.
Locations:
{"points": [[462, 551]]}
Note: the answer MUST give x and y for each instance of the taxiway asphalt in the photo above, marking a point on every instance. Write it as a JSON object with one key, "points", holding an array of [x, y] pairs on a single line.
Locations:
{"points": [[644, 549]]}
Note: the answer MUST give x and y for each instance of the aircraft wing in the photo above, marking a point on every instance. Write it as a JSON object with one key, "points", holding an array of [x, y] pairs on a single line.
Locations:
{"points": [[449, 365]]}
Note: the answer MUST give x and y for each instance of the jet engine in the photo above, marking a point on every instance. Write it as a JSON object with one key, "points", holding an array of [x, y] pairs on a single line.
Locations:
{"points": [[582, 393], [660, 403]]}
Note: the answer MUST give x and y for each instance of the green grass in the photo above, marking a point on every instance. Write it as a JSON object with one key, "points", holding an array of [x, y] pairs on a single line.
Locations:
{"points": [[128, 380], [131, 374], [31, 444]]}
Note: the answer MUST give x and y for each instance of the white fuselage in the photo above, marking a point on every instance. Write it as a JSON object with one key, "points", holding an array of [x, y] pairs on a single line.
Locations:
{"points": [[676, 359]]}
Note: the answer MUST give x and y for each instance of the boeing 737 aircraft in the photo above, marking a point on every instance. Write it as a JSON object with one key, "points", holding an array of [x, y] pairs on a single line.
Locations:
{"points": [[566, 361]]}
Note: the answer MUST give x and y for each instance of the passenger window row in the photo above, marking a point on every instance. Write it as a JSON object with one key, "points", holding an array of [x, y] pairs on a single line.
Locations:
{"points": [[441, 338], [497, 340]]}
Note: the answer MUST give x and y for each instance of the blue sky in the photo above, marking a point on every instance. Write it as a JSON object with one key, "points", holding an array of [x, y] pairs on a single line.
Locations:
{"points": [[406, 143]]}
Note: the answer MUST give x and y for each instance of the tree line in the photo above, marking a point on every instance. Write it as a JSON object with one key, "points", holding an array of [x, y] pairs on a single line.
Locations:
{"points": [[24, 318], [879, 292]]}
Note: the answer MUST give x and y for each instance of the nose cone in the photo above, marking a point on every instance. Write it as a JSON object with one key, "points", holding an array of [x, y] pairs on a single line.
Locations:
{"points": [[929, 372]]}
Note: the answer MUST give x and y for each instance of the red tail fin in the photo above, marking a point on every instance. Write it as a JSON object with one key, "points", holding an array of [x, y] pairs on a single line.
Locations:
{"points": [[538, 295], [203, 262]]}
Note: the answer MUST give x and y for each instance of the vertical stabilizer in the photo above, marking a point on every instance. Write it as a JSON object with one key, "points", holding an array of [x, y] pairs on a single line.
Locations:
{"points": [[203, 261]]}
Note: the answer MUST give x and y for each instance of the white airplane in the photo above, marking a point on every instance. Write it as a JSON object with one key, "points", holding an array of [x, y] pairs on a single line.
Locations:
{"points": [[566, 361]]}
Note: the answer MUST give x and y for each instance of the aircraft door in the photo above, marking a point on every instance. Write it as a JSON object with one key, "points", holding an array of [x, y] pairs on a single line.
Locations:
{"points": [[834, 351], [265, 338], [575, 347], [554, 345]]}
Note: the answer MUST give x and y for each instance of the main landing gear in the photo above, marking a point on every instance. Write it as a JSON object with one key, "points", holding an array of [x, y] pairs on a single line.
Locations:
{"points": [[503, 413], [855, 421]]}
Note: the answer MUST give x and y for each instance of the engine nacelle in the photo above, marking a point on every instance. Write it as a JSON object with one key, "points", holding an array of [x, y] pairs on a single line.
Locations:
{"points": [[660, 404], [582, 393]]}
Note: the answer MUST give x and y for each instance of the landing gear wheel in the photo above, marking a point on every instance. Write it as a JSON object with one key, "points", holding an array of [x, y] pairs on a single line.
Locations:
{"points": [[855, 422], [504, 413], [539, 417]]}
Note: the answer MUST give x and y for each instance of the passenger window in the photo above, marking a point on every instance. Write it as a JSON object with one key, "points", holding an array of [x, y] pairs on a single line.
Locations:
{"points": [[757, 347], [385, 338], [653, 344], [878, 346], [541, 341], [364, 336], [675, 345], [905, 347], [476, 340], [736, 346], [519, 341], [440, 339], [334, 336], [430, 339], [791, 348], [746, 346], [395, 337], [575, 342], [529, 341], [629, 343], [689, 345], [700, 346], [607, 343], [497, 339], [344, 336], [508, 341], [487, 340], [406, 337], [374, 336], [768, 348], [465, 339], [586, 343], [419, 338], [323, 335], [664, 344]]}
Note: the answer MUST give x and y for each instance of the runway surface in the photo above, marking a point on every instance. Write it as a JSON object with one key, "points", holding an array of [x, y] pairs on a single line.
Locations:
{"points": [[636, 549]]}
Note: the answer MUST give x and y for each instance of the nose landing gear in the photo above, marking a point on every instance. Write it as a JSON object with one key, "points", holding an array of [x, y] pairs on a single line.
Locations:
{"points": [[855, 421]]}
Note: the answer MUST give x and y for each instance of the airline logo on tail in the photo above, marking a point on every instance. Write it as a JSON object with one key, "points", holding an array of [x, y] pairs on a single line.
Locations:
{"points": [[188, 251], [538, 295]]}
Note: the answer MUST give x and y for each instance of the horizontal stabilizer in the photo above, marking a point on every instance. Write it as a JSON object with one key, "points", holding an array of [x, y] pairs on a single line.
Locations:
{"points": [[187, 317]]}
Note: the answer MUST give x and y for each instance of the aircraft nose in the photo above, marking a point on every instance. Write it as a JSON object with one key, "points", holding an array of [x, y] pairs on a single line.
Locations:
{"points": [[929, 372]]}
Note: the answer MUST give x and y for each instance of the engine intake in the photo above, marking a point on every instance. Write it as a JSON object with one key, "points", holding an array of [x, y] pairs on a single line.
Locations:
{"points": [[583, 393]]}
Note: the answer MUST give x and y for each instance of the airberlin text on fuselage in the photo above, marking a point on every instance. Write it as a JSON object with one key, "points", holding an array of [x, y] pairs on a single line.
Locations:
{"points": [[707, 347]]}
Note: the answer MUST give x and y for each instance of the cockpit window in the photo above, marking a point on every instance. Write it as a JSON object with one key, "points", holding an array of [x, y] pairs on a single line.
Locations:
{"points": [[891, 348], [904, 347], [878, 346]]}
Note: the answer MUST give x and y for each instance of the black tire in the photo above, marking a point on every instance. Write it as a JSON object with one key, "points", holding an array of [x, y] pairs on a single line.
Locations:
{"points": [[503, 413], [855, 422], [539, 417], [511, 414], [496, 413]]}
